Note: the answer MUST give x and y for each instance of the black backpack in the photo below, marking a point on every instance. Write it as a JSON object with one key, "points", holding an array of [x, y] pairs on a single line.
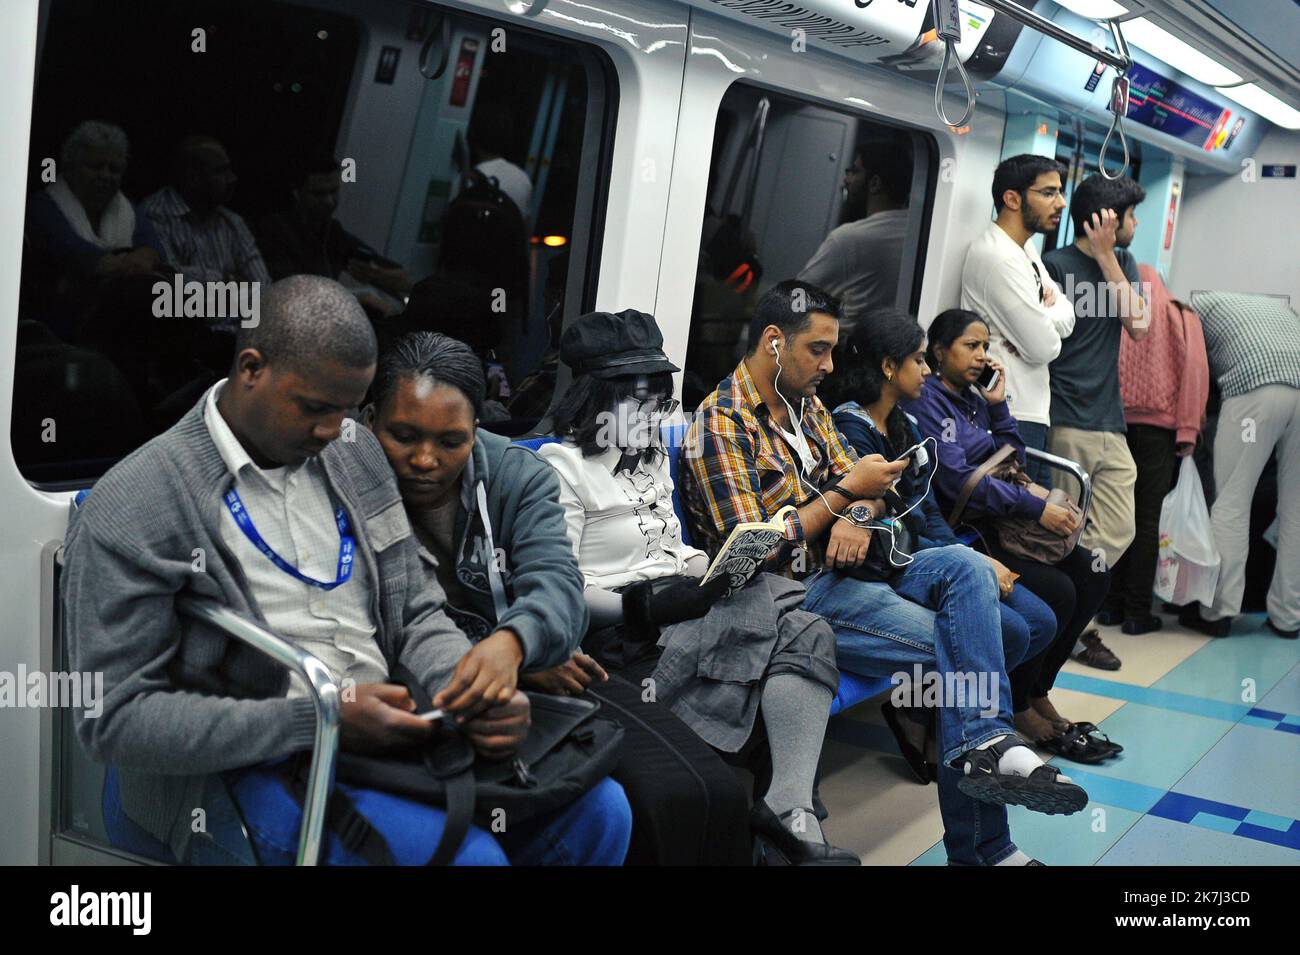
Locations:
{"points": [[484, 235], [568, 750]]}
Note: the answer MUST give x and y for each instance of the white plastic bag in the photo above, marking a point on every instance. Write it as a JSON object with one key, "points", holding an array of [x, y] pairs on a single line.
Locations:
{"points": [[1188, 563]]}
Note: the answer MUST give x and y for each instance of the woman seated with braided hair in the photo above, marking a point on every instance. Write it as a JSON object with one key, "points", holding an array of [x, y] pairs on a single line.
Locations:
{"points": [[487, 513], [717, 663]]}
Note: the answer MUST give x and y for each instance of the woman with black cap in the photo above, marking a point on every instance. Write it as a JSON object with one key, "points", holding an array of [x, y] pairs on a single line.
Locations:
{"points": [[717, 663]]}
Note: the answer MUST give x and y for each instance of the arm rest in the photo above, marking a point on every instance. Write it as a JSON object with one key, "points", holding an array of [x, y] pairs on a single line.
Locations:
{"points": [[324, 694], [1070, 467]]}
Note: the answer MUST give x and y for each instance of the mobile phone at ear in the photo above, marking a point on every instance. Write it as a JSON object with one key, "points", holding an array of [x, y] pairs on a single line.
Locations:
{"points": [[988, 378]]}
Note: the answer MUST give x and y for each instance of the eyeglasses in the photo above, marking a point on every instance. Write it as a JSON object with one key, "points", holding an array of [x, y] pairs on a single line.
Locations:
{"points": [[1048, 194], [654, 404], [1039, 279]]}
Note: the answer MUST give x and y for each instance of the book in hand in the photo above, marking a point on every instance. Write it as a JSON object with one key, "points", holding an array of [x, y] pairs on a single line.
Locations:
{"points": [[747, 548]]}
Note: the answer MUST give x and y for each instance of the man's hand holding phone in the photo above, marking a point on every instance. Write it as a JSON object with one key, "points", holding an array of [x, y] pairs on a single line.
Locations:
{"points": [[872, 476], [382, 717]]}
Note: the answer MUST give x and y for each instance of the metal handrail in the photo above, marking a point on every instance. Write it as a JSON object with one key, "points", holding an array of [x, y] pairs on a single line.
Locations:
{"points": [[1071, 467], [325, 697], [1121, 60]]}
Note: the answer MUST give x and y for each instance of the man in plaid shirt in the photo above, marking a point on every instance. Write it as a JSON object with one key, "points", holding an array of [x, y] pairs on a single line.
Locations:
{"points": [[763, 440]]}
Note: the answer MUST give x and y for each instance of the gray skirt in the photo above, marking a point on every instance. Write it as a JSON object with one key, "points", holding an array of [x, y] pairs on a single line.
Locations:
{"points": [[712, 669]]}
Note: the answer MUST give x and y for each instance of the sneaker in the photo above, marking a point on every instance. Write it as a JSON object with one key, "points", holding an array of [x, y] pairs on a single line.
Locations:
{"points": [[1147, 624], [1190, 617], [1095, 653]]}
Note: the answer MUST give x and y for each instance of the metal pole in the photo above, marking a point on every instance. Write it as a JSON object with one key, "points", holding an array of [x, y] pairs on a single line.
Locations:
{"points": [[1120, 61]]}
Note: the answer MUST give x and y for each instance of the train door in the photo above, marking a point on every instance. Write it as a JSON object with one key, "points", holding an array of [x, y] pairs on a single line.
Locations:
{"points": [[768, 138]]}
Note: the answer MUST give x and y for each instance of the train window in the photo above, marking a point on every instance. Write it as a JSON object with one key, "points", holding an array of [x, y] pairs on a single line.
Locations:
{"points": [[797, 189], [185, 153]]}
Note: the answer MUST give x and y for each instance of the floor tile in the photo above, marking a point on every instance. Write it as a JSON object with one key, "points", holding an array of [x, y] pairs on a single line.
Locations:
{"points": [[1160, 745], [1147, 657], [1155, 841], [1219, 669], [1251, 767], [1285, 696]]}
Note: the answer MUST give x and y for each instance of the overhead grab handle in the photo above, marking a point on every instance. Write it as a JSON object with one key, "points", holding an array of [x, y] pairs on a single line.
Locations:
{"points": [[947, 24], [1118, 106], [434, 63], [1120, 60]]}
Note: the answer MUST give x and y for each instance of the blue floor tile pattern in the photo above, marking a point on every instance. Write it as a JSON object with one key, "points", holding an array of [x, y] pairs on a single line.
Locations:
{"points": [[1205, 779]]}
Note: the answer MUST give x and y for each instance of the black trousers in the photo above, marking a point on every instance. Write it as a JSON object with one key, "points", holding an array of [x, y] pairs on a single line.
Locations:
{"points": [[1134, 574], [1074, 589], [688, 806]]}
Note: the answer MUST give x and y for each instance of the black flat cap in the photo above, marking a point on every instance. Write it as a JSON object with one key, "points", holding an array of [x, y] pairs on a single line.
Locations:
{"points": [[609, 345]]}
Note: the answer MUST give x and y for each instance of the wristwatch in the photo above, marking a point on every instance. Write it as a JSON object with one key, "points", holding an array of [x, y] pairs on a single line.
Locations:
{"points": [[860, 514]]}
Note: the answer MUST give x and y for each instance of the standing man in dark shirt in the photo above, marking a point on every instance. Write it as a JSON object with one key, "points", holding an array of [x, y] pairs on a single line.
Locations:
{"points": [[1100, 276]]}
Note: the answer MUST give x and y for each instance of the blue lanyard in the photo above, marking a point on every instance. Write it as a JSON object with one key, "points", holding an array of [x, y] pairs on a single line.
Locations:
{"points": [[347, 546]]}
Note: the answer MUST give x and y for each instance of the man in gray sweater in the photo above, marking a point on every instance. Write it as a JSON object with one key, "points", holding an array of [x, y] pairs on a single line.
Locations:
{"points": [[250, 500]]}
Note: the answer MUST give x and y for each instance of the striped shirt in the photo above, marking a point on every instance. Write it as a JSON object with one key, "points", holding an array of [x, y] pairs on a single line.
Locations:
{"points": [[1251, 340], [205, 250], [739, 468]]}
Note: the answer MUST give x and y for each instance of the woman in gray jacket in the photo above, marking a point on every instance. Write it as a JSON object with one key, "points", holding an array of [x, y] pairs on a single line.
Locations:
{"points": [[488, 515]]}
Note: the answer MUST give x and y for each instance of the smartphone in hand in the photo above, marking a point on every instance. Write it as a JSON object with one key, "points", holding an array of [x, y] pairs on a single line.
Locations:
{"points": [[988, 378]]}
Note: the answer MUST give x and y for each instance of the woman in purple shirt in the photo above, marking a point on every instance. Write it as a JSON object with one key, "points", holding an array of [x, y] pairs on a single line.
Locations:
{"points": [[968, 427]]}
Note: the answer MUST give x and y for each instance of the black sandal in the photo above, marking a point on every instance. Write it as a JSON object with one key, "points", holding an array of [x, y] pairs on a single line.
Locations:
{"points": [[1090, 730], [1074, 745], [1041, 791]]}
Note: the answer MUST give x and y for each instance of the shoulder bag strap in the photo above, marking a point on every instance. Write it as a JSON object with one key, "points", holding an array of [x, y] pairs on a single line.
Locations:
{"points": [[967, 489], [459, 784]]}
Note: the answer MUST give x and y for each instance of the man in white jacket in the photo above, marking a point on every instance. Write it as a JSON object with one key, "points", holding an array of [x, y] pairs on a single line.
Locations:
{"points": [[1004, 280]]}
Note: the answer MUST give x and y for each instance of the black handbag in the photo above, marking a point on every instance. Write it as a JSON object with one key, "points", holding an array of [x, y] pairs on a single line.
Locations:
{"points": [[567, 751]]}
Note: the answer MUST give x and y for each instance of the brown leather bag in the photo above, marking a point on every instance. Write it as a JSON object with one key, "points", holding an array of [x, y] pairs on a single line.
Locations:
{"points": [[1022, 536]]}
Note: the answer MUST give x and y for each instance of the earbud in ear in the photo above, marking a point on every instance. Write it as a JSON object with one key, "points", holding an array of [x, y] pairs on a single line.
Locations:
{"points": [[774, 346]]}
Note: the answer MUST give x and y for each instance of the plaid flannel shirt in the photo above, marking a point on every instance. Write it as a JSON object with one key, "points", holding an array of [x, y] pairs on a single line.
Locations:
{"points": [[737, 468]]}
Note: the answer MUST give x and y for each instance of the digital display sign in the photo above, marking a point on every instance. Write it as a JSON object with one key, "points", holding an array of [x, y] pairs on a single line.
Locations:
{"points": [[1162, 104]]}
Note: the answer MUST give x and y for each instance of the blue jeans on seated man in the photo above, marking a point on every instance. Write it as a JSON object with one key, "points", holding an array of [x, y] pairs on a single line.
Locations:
{"points": [[944, 615], [594, 830]]}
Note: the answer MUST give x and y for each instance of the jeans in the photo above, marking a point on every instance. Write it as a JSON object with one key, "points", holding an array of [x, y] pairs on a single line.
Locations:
{"points": [[1028, 628], [594, 830], [943, 614], [1035, 436]]}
